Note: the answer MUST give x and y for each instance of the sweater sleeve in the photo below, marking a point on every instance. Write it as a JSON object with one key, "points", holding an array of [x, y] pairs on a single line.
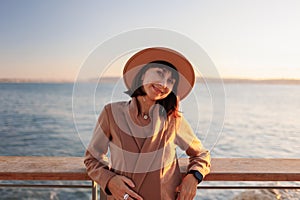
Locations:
{"points": [[96, 160], [199, 157]]}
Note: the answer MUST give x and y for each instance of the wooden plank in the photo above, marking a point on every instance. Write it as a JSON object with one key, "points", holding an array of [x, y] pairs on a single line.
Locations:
{"points": [[223, 169], [42, 168], [251, 169]]}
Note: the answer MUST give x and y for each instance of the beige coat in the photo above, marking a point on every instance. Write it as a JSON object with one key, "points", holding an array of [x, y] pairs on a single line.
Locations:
{"points": [[144, 153]]}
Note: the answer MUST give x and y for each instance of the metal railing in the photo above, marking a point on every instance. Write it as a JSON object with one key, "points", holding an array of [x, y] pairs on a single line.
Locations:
{"points": [[231, 170]]}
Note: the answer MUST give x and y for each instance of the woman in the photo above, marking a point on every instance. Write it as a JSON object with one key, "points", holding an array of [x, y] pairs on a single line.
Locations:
{"points": [[142, 134]]}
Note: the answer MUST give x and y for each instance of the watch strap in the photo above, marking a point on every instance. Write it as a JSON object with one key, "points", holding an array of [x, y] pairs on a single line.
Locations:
{"points": [[197, 175]]}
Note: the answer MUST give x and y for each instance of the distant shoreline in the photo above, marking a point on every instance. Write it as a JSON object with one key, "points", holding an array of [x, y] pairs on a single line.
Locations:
{"points": [[115, 79]]}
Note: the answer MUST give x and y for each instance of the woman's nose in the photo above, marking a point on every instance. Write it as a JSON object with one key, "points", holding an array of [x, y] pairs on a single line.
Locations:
{"points": [[164, 82]]}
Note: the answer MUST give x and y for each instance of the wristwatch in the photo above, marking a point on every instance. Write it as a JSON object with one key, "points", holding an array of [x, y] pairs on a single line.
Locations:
{"points": [[197, 175]]}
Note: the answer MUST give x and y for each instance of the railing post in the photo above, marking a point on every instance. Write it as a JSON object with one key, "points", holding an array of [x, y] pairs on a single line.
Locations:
{"points": [[102, 195], [94, 190]]}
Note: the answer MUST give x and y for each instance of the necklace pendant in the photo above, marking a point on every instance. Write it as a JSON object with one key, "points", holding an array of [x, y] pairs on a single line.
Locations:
{"points": [[145, 116]]}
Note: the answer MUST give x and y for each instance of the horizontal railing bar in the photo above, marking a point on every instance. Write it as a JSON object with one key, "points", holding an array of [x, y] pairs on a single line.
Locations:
{"points": [[46, 185], [199, 187], [223, 169], [249, 187]]}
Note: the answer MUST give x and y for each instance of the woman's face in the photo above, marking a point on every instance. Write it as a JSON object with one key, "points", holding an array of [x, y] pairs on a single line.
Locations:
{"points": [[158, 82]]}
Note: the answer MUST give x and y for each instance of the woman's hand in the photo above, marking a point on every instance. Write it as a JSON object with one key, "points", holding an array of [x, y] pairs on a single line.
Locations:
{"points": [[118, 186], [188, 187]]}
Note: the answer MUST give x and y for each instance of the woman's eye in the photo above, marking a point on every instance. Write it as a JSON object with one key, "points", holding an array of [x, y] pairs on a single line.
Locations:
{"points": [[171, 81], [160, 73]]}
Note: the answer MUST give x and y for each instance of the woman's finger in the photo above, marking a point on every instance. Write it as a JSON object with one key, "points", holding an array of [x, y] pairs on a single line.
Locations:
{"points": [[128, 190], [134, 194], [186, 195], [127, 181]]}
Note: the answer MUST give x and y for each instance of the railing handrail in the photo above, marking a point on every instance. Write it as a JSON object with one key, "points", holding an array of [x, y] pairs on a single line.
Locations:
{"points": [[42, 168], [223, 169], [252, 169], [72, 168]]}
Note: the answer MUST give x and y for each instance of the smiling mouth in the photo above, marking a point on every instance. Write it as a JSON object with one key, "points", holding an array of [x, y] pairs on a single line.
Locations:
{"points": [[157, 90]]}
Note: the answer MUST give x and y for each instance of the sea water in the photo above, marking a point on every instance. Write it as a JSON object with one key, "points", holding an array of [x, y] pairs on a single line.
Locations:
{"points": [[56, 119]]}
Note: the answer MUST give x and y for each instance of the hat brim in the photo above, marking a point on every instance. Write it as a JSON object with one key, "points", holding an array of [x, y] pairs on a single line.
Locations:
{"points": [[143, 57]]}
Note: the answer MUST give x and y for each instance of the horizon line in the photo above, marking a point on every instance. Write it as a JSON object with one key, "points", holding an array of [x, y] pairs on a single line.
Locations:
{"points": [[115, 78]]}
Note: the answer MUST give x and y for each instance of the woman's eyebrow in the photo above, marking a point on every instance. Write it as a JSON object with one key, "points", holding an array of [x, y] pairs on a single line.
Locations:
{"points": [[166, 70]]}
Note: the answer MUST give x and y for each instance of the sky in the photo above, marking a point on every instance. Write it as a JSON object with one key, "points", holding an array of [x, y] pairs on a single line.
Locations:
{"points": [[257, 39]]}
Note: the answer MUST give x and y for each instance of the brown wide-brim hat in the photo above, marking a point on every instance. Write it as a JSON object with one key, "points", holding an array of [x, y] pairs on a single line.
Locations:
{"points": [[145, 56]]}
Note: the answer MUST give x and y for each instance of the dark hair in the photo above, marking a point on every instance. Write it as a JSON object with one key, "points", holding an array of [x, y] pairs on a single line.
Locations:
{"points": [[169, 104]]}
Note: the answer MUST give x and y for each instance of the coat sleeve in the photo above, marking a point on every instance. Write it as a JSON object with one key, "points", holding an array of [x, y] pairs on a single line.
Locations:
{"points": [[199, 157], [96, 160]]}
